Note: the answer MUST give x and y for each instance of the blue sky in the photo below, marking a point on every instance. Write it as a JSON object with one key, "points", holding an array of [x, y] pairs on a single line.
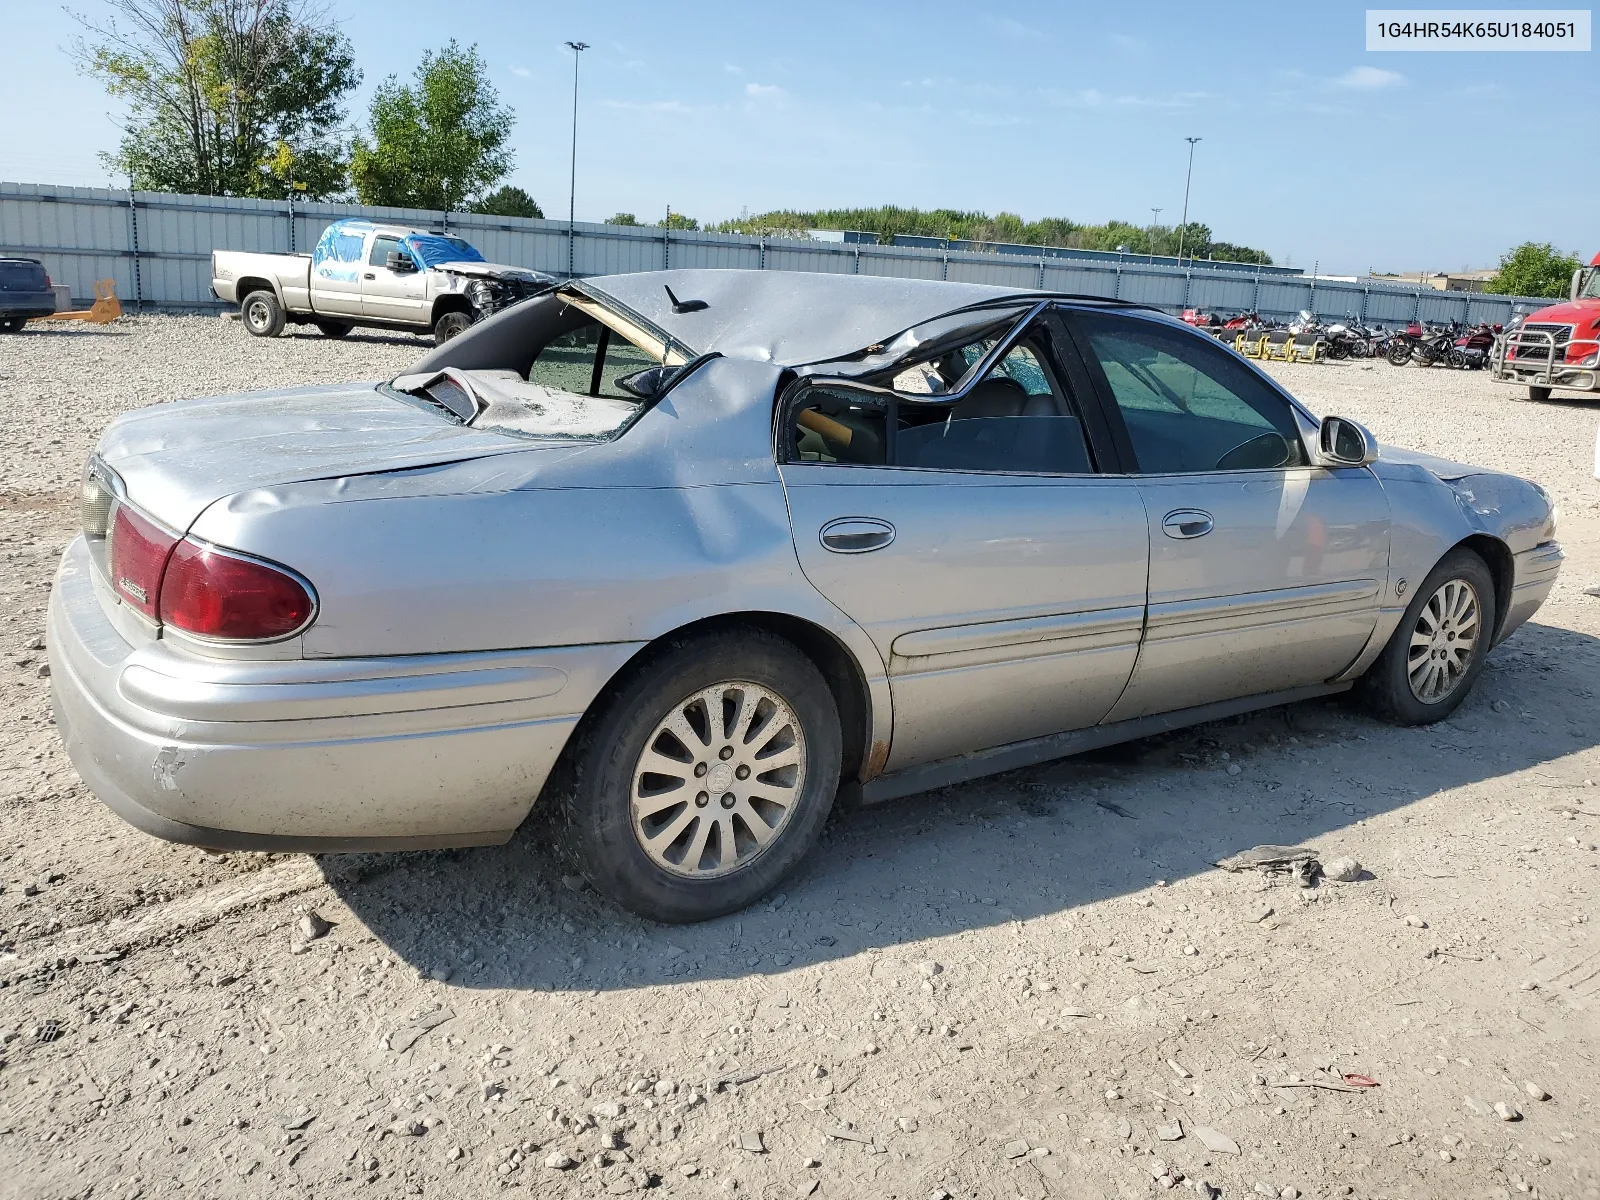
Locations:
{"points": [[1312, 149]]}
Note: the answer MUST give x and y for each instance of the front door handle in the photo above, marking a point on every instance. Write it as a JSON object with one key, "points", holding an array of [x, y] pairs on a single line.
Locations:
{"points": [[369, 275], [856, 535], [1187, 523]]}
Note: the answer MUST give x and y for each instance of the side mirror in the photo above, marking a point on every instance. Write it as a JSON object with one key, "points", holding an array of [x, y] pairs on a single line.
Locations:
{"points": [[1342, 442], [401, 264]]}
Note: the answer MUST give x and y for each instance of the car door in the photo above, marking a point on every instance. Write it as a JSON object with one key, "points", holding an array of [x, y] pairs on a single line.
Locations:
{"points": [[390, 295], [336, 269], [1265, 572], [999, 574]]}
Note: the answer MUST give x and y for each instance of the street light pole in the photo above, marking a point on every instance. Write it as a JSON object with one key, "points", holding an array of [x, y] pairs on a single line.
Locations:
{"points": [[1155, 220], [577, 48], [1184, 228]]}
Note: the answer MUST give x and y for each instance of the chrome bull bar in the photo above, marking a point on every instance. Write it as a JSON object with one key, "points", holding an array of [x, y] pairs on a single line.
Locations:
{"points": [[1535, 358]]}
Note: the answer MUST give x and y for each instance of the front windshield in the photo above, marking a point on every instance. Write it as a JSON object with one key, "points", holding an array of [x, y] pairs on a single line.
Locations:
{"points": [[432, 249], [1591, 284]]}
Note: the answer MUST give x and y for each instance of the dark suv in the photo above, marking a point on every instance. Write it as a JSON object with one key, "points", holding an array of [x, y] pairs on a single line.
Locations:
{"points": [[24, 293]]}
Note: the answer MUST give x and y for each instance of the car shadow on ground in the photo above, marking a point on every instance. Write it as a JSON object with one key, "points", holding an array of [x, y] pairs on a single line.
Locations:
{"points": [[364, 337], [1013, 847]]}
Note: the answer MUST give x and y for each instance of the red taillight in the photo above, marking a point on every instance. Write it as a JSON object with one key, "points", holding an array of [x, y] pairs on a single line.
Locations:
{"points": [[212, 593], [139, 551]]}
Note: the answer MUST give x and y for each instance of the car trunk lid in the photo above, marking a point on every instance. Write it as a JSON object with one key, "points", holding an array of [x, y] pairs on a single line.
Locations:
{"points": [[176, 459]]}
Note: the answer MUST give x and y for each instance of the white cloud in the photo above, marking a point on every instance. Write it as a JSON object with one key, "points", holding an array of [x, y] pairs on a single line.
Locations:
{"points": [[1095, 98], [1127, 42], [1369, 79], [521, 72], [732, 70], [759, 91]]}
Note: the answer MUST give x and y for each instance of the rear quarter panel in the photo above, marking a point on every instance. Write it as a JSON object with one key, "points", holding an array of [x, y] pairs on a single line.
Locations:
{"points": [[680, 519]]}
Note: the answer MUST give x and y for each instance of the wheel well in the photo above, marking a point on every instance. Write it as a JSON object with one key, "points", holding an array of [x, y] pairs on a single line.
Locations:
{"points": [[455, 302], [1497, 556], [244, 287], [838, 666]]}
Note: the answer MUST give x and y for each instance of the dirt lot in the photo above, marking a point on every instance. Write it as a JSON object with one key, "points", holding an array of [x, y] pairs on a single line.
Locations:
{"points": [[1037, 985]]}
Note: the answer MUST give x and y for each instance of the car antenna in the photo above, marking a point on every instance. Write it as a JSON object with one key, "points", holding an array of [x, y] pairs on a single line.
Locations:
{"points": [[684, 306]]}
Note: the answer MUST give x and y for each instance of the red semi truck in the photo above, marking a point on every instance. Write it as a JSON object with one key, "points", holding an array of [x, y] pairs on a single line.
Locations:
{"points": [[1556, 347]]}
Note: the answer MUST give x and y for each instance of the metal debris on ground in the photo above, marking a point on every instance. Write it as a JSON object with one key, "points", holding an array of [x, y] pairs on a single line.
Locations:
{"points": [[1354, 1080], [1297, 861]]}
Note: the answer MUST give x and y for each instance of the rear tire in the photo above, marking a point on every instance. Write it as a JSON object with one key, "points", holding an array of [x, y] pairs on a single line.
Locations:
{"points": [[1423, 675], [334, 329], [263, 315], [650, 851], [450, 325], [1398, 354], [12, 324], [1538, 394]]}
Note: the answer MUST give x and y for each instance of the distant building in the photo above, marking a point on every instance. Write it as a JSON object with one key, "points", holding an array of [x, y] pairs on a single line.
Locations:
{"points": [[1439, 281]]}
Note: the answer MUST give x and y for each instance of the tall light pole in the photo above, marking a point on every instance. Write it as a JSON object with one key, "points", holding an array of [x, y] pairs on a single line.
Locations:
{"points": [[1184, 228], [1155, 220], [577, 48]]}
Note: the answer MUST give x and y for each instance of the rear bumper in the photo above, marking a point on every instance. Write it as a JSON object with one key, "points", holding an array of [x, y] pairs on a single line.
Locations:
{"points": [[27, 304], [311, 754]]}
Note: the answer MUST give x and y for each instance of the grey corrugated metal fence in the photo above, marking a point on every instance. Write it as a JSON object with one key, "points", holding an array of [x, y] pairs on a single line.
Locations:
{"points": [[158, 249]]}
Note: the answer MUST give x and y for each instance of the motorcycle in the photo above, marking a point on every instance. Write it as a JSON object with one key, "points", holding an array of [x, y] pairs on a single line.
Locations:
{"points": [[1476, 346], [1349, 339], [1427, 346]]}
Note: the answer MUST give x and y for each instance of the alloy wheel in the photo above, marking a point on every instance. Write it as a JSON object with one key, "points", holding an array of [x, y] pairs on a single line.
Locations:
{"points": [[259, 315], [718, 780], [1443, 641]]}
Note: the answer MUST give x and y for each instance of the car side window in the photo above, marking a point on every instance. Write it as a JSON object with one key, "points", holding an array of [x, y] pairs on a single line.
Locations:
{"points": [[841, 425], [382, 247], [1017, 418], [1190, 406]]}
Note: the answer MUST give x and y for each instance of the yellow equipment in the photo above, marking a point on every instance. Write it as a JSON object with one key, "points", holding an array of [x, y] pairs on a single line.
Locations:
{"points": [[1307, 347], [106, 307], [1278, 346], [1251, 345]]}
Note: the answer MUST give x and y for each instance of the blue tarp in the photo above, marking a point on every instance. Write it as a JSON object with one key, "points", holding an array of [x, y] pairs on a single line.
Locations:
{"points": [[431, 249]]}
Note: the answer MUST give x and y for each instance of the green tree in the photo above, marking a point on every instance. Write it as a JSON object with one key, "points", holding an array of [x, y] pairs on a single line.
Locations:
{"points": [[1534, 269], [677, 221], [889, 220], [224, 97], [622, 219], [437, 142], [508, 201]]}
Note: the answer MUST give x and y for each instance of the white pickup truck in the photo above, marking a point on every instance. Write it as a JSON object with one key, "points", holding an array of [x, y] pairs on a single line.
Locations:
{"points": [[387, 277]]}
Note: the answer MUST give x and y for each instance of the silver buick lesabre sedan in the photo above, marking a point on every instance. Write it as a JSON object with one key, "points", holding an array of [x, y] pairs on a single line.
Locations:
{"points": [[695, 553]]}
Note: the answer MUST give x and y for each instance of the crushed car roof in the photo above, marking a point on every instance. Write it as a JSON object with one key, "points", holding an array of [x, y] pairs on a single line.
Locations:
{"points": [[789, 318]]}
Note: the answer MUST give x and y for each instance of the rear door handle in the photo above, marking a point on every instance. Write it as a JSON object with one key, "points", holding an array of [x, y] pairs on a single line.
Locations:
{"points": [[1187, 523], [856, 535], [369, 275]]}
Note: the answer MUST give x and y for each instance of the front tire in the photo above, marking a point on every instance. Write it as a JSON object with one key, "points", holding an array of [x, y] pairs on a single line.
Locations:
{"points": [[450, 325], [263, 315], [1438, 650], [1538, 394], [1399, 354], [707, 777]]}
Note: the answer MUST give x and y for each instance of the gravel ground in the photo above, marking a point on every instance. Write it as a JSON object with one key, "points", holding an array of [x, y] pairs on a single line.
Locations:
{"points": [[1035, 985]]}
